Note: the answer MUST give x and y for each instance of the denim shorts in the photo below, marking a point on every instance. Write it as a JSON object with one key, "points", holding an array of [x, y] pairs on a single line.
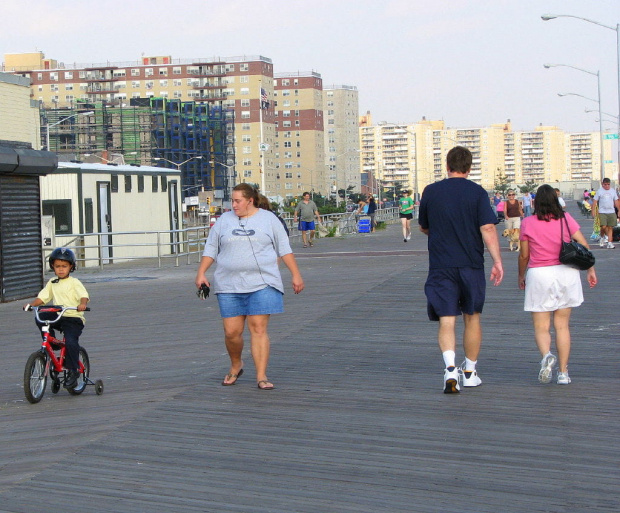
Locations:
{"points": [[454, 291], [265, 301]]}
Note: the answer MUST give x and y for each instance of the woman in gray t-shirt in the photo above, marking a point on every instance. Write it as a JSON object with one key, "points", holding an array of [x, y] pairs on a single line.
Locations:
{"points": [[246, 244]]}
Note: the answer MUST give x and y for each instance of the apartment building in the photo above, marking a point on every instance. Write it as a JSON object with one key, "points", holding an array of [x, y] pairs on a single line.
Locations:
{"points": [[243, 85], [414, 155], [342, 150], [20, 115], [299, 153]]}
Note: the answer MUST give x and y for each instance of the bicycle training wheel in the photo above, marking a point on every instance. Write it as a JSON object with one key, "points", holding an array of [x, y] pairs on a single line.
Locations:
{"points": [[82, 378], [35, 378]]}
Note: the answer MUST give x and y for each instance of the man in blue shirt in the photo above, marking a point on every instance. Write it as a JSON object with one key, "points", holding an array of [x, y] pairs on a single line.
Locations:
{"points": [[456, 215]]}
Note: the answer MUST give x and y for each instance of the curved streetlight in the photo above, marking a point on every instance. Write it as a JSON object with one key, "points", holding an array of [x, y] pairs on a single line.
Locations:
{"points": [[600, 117], [616, 29], [47, 135], [178, 165]]}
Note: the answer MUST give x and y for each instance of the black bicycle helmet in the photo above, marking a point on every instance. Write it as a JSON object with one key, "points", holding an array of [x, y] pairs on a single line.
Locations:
{"points": [[62, 254]]}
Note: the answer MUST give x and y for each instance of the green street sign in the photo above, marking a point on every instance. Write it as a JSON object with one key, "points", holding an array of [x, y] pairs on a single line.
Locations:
{"points": [[610, 136]]}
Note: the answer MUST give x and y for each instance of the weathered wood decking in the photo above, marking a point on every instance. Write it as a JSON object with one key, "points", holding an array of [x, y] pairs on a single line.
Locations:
{"points": [[358, 422]]}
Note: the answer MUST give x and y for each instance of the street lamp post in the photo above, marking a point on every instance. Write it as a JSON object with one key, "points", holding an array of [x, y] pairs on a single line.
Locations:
{"points": [[47, 132], [600, 125], [616, 29], [230, 180]]}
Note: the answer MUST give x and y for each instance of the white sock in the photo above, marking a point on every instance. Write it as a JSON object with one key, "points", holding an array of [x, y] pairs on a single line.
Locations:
{"points": [[470, 366], [448, 358]]}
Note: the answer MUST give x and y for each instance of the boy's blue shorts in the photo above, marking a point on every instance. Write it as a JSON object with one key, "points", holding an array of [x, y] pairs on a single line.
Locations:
{"points": [[265, 301], [454, 291], [305, 226]]}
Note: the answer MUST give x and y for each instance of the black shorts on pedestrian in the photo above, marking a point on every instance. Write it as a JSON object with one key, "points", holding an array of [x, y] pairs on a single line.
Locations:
{"points": [[454, 291], [405, 216]]}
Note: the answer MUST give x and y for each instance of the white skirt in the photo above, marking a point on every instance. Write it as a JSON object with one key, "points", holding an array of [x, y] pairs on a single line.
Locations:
{"points": [[551, 288]]}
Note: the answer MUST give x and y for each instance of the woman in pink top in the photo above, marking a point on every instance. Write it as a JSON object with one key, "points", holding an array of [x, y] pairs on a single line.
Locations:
{"points": [[549, 285]]}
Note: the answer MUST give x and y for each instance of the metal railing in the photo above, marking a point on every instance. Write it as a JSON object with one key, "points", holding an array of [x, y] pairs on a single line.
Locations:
{"points": [[99, 249]]}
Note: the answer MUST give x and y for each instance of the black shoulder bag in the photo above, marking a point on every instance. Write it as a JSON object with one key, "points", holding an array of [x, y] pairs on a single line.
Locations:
{"points": [[574, 254]]}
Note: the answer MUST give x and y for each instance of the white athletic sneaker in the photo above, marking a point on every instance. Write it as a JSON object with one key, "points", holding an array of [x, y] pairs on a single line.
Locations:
{"points": [[602, 242], [451, 381], [546, 368], [563, 378], [472, 381], [610, 245]]}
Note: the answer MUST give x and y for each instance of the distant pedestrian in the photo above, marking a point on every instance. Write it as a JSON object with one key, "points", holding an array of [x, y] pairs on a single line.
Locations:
{"points": [[456, 215], [372, 208], [512, 211], [527, 204], [497, 199], [550, 287], [560, 198], [307, 211], [406, 206], [607, 201]]}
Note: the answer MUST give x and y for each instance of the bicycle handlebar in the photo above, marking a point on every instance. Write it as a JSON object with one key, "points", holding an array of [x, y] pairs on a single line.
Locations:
{"points": [[59, 309]]}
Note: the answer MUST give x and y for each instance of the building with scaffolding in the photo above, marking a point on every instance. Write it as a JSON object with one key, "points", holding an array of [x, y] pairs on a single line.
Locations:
{"points": [[195, 138]]}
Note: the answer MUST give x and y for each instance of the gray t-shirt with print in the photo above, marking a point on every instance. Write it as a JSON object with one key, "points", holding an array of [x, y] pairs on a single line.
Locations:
{"points": [[246, 252]]}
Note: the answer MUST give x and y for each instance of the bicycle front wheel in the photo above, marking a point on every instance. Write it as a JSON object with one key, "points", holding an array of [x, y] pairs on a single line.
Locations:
{"points": [[35, 378], [83, 377]]}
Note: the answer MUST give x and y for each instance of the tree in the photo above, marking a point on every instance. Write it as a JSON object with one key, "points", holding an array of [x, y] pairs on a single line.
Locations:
{"points": [[529, 186], [502, 183]]}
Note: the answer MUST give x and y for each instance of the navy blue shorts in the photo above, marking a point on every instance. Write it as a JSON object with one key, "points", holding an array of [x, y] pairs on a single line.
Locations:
{"points": [[454, 291], [306, 226]]}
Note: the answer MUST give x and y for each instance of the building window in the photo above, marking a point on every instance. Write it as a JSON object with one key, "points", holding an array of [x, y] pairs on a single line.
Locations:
{"points": [[245, 102], [164, 184], [163, 72], [176, 70], [247, 173], [61, 210], [154, 184], [244, 90], [247, 162], [244, 66], [140, 183], [89, 218], [114, 183], [135, 72], [127, 183], [245, 114], [69, 75]]}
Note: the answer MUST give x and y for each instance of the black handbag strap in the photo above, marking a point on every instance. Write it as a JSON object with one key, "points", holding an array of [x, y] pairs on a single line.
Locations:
{"points": [[562, 229]]}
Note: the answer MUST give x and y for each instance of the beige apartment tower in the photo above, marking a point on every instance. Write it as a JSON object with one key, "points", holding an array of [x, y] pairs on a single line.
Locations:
{"points": [[298, 156]]}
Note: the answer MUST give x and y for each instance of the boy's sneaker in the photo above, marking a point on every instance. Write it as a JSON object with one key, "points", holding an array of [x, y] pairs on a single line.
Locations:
{"points": [[451, 381], [610, 245], [470, 378], [71, 379], [602, 242], [546, 368], [563, 378]]}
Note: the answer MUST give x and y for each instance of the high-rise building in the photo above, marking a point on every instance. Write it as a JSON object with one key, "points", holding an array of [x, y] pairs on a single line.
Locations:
{"points": [[241, 85], [342, 150], [20, 115], [299, 156], [414, 155]]}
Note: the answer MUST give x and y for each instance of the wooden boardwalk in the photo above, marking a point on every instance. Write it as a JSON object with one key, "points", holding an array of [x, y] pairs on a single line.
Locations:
{"points": [[358, 422]]}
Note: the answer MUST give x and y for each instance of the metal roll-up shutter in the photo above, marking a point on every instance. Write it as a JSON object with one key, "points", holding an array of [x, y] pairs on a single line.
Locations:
{"points": [[21, 265]]}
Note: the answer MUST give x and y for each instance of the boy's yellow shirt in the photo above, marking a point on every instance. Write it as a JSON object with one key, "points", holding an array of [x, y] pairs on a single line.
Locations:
{"points": [[67, 292]]}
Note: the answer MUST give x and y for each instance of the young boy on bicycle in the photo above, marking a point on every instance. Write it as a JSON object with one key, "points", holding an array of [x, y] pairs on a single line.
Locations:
{"points": [[66, 291]]}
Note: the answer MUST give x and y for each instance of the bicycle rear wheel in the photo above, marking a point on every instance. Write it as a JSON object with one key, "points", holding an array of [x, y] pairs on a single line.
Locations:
{"points": [[35, 378], [82, 378]]}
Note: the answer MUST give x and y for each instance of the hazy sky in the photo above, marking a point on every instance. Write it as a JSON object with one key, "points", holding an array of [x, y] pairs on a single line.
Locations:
{"points": [[468, 62]]}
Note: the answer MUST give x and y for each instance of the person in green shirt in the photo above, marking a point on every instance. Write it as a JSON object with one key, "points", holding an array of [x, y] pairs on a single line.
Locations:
{"points": [[406, 213]]}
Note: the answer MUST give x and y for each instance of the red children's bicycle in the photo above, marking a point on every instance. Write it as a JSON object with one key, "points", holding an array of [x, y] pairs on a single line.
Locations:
{"points": [[50, 359]]}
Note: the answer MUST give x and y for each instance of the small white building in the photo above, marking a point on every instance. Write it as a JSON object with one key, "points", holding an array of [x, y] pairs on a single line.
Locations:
{"points": [[110, 211]]}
